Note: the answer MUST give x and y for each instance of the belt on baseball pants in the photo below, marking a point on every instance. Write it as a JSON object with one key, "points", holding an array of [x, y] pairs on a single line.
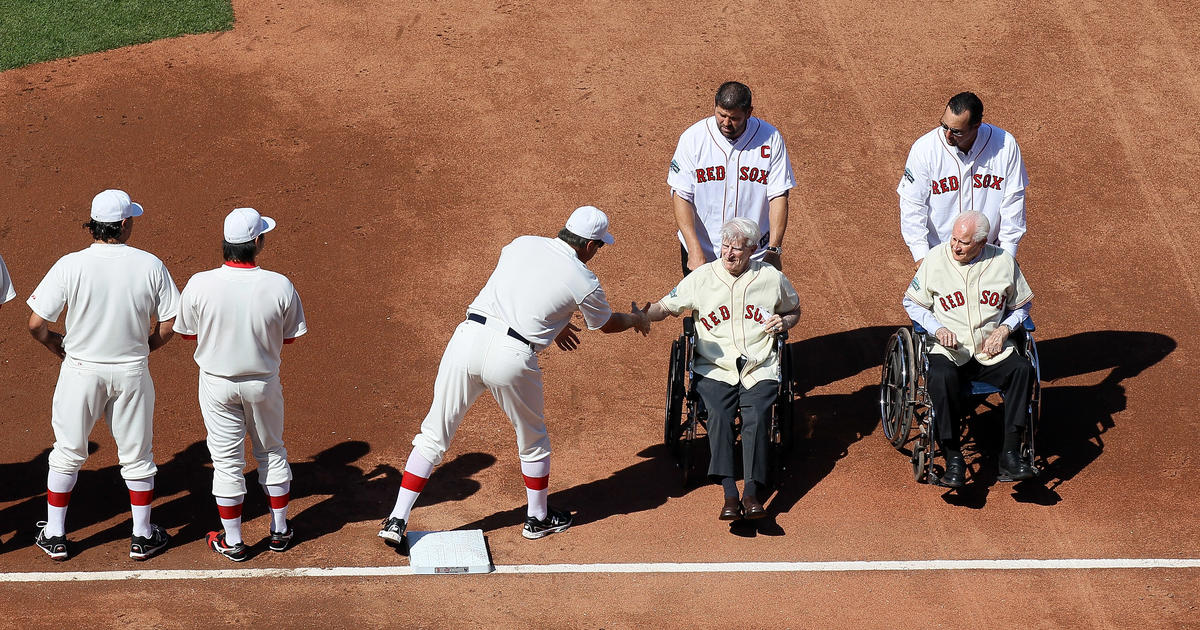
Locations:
{"points": [[475, 317]]}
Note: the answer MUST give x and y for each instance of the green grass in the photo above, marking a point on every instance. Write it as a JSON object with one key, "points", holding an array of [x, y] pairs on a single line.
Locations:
{"points": [[40, 30]]}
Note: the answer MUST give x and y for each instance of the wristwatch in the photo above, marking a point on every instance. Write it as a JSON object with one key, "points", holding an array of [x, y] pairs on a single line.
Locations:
{"points": [[773, 248]]}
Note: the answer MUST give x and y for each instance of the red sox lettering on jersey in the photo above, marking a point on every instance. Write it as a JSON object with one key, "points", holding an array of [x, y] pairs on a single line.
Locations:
{"points": [[950, 184], [745, 174], [726, 179], [722, 314], [939, 182], [954, 300]]}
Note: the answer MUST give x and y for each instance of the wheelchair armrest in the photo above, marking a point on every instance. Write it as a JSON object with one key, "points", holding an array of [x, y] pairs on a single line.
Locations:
{"points": [[689, 326]]}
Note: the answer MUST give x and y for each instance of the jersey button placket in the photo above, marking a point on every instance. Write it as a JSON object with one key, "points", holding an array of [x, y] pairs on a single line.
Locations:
{"points": [[731, 185]]}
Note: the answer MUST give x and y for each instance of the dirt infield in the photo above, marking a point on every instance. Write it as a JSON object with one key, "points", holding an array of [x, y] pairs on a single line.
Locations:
{"points": [[399, 149]]}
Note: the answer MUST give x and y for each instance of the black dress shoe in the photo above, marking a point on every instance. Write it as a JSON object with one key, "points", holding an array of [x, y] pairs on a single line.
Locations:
{"points": [[752, 508], [956, 471], [732, 510], [1013, 467]]}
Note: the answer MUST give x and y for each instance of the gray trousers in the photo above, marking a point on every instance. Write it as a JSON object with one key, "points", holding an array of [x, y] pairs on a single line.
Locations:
{"points": [[724, 402]]}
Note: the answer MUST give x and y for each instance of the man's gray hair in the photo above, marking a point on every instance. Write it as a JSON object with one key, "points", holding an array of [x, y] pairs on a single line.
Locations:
{"points": [[982, 225], [740, 228]]}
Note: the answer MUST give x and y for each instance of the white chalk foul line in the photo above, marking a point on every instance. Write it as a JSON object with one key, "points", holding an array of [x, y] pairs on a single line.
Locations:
{"points": [[638, 567]]}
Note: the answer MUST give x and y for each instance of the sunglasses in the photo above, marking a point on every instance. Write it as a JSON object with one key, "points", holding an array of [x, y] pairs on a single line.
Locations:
{"points": [[957, 133]]}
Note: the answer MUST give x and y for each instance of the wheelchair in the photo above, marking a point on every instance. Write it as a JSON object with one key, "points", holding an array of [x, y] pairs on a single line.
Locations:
{"points": [[906, 411], [686, 419]]}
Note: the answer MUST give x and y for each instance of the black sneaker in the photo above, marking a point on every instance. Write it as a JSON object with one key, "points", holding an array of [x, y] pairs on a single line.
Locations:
{"points": [[393, 531], [281, 541], [237, 553], [54, 546], [141, 548], [554, 522]]}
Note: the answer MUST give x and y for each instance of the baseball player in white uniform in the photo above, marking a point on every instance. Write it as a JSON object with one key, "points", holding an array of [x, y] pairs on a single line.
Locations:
{"points": [[240, 316], [526, 303], [7, 292], [730, 165], [963, 164], [740, 305], [973, 295], [118, 299]]}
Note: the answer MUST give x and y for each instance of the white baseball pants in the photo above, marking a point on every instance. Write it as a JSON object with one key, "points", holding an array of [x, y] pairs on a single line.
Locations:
{"points": [[231, 409], [121, 392], [482, 356]]}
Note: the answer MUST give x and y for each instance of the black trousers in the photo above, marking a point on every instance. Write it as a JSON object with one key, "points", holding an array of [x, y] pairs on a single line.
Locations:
{"points": [[723, 403], [945, 381]]}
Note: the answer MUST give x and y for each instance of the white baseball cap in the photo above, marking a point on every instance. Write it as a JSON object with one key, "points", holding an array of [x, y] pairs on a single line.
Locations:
{"points": [[590, 223], [246, 224], [112, 206]]}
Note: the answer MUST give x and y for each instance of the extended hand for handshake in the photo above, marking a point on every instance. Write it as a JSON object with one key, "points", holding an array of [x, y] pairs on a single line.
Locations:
{"points": [[636, 318]]}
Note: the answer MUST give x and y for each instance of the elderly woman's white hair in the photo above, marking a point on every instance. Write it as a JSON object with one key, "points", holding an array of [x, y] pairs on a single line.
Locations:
{"points": [[982, 225], [740, 228]]}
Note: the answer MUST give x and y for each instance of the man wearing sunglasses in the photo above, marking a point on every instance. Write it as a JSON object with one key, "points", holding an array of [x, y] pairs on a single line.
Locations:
{"points": [[962, 164]]}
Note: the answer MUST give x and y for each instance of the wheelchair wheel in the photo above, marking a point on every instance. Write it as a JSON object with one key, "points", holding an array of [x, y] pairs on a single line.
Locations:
{"points": [[896, 386], [782, 427], [787, 398], [1028, 451], [689, 445], [672, 424], [780, 432], [920, 463]]}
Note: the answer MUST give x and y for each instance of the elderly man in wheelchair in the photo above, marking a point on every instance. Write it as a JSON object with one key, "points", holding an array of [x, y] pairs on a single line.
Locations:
{"points": [[740, 307], [972, 295]]}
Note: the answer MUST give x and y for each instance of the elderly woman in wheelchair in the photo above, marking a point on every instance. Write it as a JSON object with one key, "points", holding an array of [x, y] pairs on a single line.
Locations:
{"points": [[972, 296], [740, 306]]}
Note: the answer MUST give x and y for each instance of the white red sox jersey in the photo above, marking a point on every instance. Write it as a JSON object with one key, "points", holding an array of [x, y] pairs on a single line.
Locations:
{"points": [[939, 182], [240, 315], [112, 293], [7, 292], [726, 179], [537, 286], [970, 299], [730, 316]]}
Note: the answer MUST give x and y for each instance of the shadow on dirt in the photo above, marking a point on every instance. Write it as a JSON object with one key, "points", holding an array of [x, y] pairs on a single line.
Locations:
{"points": [[186, 507], [827, 426], [1074, 418]]}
